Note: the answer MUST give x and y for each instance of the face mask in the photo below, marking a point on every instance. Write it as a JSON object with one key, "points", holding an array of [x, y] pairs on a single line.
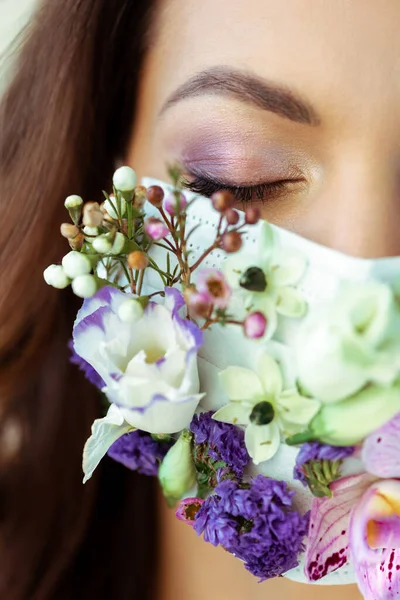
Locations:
{"points": [[327, 272]]}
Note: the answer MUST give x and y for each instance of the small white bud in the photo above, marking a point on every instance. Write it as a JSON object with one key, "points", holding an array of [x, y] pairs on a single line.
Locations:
{"points": [[90, 231], [102, 244], [109, 207], [118, 244], [55, 276], [125, 179], [76, 264], [130, 311], [73, 202], [84, 286]]}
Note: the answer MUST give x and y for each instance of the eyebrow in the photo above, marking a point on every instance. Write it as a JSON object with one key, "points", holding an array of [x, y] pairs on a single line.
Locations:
{"points": [[248, 88]]}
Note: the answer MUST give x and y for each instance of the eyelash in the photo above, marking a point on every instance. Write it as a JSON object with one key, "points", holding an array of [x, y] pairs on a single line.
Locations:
{"points": [[206, 186]]}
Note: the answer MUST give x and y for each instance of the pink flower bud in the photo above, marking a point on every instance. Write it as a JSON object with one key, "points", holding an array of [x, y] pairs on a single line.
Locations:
{"points": [[255, 325], [188, 510], [200, 304], [175, 205], [155, 229]]}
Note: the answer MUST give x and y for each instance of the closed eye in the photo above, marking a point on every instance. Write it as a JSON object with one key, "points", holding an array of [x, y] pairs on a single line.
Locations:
{"points": [[206, 186]]}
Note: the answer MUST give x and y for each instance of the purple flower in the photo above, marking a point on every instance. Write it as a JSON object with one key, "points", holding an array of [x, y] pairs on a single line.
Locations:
{"points": [[224, 442], [256, 523], [315, 451], [139, 452]]}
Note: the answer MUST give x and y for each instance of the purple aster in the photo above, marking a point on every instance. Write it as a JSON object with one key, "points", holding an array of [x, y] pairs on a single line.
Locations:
{"points": [[224, 442], [139, 452], [256, 522], [90, 373], [311, 451]]}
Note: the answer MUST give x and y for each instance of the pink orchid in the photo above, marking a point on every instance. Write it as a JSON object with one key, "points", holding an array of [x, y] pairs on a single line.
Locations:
{"points": [[361, 522]]}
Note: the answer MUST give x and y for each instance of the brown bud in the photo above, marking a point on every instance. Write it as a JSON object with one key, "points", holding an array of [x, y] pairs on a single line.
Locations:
{"points": [[155, 195], [252, 215], [69, 231], [232, 216], [92, 215], [140, 196], [222, 200], [77, 242], [137, 260], [231, 241]]}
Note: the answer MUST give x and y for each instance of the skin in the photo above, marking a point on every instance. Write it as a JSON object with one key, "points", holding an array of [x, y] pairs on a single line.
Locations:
{"points": [[342, 60]]}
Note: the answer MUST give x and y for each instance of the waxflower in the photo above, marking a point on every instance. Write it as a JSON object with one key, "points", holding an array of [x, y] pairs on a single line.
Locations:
{"points": [[124, 179], [265, 278], [177, 473], [254, 325], [149, 366], [362, 520], [175, 203], [56, 276], [188, 508], [155, 229], [75, 264], [212, 286], [259, 402], [350, 342]]}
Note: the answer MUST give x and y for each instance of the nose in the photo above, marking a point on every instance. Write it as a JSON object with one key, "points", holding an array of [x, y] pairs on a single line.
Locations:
{"points": [[356, 204]]}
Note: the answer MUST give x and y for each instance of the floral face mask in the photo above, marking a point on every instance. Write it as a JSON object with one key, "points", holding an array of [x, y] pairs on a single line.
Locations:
{"points": [[255, 372]]}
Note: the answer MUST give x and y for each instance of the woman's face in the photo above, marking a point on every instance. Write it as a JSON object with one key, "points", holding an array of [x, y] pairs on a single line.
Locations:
{"points": [[301, 93]]}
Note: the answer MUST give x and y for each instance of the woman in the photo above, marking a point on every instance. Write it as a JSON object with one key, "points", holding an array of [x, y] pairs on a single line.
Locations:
{"points": [[242, 94]]}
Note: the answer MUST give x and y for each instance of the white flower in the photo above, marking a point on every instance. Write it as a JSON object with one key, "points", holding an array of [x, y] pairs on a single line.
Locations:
{"points": [[84, 286], [266, 278], [149, 366], [75, 264], [118, 244], [349, 342], [90, 232], [56, 276], [124, 179], [259, 402]]}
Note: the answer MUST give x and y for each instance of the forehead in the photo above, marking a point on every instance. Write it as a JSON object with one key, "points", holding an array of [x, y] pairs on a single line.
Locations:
{"points": [[335, 52]]}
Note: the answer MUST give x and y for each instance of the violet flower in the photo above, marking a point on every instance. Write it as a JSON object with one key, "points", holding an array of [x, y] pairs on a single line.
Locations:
{"points": [[314, 451], [139, 452], [223, 442], [256, 522]]}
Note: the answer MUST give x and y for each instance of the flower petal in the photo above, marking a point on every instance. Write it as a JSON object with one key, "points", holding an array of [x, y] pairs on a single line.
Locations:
{"points": [[270, 375], [369, 522], [380, 453], [105, 432], [265, 243], [296, 409], [262, 441], [241, 384], [327, 548], [290, 302], [375, 540], [380, 580], [235, 413], [288, 271]]}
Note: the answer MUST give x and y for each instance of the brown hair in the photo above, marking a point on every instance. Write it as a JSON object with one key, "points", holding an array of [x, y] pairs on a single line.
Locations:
{"points": [[64, 121]]}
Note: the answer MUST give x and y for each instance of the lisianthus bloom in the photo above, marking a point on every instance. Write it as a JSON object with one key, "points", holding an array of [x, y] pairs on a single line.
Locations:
{"points": [[211, 284], [149, 366], [266, 278], [259, 402], [349, 342], [361, 522]]}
